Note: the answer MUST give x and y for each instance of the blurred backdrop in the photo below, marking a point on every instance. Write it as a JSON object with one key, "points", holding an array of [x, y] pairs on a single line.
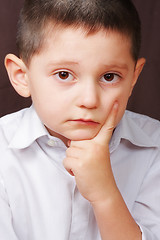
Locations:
{"points": [[146, 95]]}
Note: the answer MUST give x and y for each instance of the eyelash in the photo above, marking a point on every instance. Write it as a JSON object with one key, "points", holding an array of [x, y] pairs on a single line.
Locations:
{"points": [[114, 78], [69, 77]]}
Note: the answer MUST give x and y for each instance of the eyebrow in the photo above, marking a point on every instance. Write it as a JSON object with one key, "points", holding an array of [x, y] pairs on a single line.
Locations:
{"points": [[118, 65], [64, 63]]}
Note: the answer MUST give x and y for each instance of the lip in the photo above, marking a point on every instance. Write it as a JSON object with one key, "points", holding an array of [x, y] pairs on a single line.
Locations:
{"points": [[87, 122]]}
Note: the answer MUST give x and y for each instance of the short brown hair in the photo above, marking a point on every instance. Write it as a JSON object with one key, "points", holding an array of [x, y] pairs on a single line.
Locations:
{"points": [[119, 15]]}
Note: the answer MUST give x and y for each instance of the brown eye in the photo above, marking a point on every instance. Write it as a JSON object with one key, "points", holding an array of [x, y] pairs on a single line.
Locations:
{"points": [[63, 75], [109, 77]]}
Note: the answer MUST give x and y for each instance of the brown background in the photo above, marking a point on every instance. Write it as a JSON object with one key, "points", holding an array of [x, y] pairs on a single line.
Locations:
{"points": [[146, 95]]}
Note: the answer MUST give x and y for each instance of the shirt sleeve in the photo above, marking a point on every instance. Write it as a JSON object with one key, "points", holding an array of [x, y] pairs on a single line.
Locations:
{"points": [[146, 210], [6, 227]]}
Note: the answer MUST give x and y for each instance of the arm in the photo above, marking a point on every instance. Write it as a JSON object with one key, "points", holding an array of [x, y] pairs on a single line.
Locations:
{"points": [[114, 219], [89, 162], [6, 227], [146, 209]]}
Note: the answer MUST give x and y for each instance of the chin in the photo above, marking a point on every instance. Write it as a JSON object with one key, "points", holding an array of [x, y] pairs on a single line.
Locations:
{"points": [[82, 136]]}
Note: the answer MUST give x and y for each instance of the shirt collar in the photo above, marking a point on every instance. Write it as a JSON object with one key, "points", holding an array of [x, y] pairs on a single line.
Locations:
{"points": [[30, 129], [128, 129]]}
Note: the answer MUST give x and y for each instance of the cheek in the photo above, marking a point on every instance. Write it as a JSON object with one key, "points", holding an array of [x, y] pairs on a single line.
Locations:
{"points": [[121, 97], [117, 94]]}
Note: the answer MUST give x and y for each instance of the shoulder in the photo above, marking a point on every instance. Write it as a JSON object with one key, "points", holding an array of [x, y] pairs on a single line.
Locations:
{"points": [[142, 123], [141, 119], [9, 124]]}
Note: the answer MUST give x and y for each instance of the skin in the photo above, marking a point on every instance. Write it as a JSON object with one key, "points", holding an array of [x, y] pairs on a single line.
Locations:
{"points": [[80, 85]]}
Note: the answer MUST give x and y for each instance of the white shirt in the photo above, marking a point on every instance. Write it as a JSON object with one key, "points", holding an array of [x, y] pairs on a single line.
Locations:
{"points": [[39, 199]]}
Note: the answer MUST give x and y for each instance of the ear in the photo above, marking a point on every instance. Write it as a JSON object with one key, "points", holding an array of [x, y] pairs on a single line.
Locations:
{"points": [[16, 70], [138, 69]]}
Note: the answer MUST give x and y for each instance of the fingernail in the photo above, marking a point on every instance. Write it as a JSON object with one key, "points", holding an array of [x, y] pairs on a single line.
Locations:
{"points": [[115, 105], [69, 143]]}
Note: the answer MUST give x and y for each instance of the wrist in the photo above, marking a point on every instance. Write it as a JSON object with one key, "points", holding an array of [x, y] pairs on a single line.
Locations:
{"points": [[107, 200]]}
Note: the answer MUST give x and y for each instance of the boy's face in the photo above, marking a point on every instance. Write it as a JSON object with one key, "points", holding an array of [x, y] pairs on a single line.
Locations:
{"points": [[75, 80]]}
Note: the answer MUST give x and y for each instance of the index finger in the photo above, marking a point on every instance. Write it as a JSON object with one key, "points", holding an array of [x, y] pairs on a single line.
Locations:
{"points": [[105, 133]]}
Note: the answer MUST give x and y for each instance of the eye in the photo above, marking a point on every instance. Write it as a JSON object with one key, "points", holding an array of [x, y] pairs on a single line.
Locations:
{"points": [[110, 78], [64, 76]]}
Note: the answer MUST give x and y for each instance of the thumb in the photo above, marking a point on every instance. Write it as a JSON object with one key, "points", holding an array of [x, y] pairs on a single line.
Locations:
{"points": [[105, 133]]}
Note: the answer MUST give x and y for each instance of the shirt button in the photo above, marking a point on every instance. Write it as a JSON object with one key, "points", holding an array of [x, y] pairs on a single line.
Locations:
{"points": [[51, 143]]}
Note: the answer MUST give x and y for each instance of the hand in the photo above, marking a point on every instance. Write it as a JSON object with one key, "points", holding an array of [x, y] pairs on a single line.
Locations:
{"points": [[89, 162]]}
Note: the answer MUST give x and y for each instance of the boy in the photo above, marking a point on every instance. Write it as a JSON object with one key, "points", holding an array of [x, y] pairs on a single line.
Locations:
{"points": [[75, 165]]}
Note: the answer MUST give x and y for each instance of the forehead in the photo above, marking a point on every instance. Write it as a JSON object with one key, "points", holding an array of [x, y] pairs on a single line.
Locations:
{"points": [[76, 43], [67, 47], [69, 35]]}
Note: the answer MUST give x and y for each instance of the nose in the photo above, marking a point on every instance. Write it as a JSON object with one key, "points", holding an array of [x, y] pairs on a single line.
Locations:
{"points": [[88, 95]]}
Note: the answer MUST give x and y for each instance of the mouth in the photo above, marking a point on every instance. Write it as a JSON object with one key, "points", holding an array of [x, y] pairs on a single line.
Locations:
{"points": [[86, 122]]}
